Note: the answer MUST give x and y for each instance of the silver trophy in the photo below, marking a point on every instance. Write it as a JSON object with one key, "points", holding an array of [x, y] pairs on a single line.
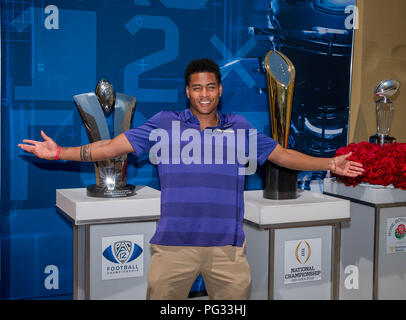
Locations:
{"points": [[384, 111], [111, 175]]}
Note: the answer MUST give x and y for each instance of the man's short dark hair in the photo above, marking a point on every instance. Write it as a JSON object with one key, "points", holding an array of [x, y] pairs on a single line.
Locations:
{"points": [[202, 65]]}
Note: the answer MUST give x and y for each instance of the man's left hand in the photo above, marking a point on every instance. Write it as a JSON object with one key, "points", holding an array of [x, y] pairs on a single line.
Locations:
{"points": [[344, 167]]}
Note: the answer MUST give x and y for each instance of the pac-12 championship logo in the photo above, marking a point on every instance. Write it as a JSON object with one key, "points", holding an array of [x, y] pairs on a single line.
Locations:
{"points": [[122, 257], [122, 251]]}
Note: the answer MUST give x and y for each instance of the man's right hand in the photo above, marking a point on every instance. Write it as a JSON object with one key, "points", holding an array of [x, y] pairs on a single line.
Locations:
{"points": [[96, 151], [46, 149]]}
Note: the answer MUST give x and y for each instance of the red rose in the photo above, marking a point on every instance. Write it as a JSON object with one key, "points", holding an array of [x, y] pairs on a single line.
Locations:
{"points": [[401, 229]]}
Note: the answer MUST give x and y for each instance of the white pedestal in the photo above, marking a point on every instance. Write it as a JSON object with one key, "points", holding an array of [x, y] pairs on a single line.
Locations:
{"points": [[110, 228], [373, 272], [82, 209], [286, 235]]}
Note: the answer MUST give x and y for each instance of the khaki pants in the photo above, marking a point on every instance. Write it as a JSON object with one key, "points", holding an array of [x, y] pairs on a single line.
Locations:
{"points": [[173, 269]]}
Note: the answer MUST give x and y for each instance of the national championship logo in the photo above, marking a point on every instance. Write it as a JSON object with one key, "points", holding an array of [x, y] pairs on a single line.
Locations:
{"points": [[302, 260]]}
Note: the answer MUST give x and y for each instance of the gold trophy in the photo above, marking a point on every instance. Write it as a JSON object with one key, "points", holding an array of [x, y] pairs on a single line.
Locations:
{"points": [[280, 183]]}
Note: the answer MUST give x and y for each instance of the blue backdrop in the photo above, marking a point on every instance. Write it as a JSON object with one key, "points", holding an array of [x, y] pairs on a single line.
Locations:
{"points": [[54, 49]]}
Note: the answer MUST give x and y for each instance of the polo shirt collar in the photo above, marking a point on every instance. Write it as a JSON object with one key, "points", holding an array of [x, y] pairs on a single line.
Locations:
{"points": [[189, 117]]}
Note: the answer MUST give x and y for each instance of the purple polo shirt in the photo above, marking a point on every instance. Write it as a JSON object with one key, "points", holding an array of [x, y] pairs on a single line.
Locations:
{"points": [[202, 201]]}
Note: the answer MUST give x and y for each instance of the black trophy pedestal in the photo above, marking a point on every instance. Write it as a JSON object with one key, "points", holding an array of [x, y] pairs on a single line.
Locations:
{"points": [[381, 139], [103, 192], [280, 183]]}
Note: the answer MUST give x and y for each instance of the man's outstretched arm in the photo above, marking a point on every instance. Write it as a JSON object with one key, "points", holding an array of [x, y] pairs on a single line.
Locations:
{"points": [[299, 161], [96, 151]]}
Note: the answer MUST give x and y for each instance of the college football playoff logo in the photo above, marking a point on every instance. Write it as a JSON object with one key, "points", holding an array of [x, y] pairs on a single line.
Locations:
{"points": [[303, 252]]}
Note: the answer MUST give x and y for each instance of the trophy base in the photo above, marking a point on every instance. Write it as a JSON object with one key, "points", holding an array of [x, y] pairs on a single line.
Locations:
{"points": [[280, 183], [103, 192], [381, 139]]}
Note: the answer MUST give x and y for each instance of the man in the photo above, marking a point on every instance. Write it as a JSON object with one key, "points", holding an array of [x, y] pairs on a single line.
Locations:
{"points": [[202, 204]]}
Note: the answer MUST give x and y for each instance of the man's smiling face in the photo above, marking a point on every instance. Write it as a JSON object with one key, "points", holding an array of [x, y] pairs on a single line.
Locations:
{"points": [[204, 93]]}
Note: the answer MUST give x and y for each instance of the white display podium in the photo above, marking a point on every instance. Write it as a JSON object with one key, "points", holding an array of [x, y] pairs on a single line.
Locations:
{"points": [[369, 246], [302, 235], [293, 245], [111, 242]]}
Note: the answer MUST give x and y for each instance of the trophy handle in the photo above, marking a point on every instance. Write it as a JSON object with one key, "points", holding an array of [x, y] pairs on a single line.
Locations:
{"points": [[123, 113], [92, 116]]}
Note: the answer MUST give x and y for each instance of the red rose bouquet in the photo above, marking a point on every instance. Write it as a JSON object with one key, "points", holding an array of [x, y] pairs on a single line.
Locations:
{"points": [[384, 165]]}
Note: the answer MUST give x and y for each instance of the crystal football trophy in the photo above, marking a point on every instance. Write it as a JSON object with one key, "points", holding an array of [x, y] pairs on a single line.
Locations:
{"points": [[384, 111], [280, 183], [111, 174]]}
